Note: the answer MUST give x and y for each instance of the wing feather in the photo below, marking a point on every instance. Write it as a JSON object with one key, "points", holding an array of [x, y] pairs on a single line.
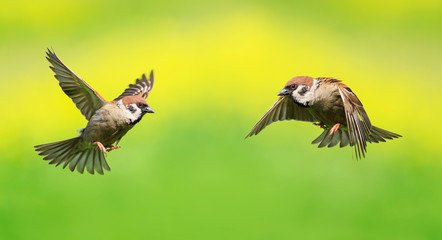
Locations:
{"points": [[283, 109], [85, 98], [358, 123], [142, 87]]}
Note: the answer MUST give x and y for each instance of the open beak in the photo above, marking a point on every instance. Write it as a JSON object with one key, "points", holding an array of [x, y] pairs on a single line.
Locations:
{"points": [[148, 110], [284, 92]]}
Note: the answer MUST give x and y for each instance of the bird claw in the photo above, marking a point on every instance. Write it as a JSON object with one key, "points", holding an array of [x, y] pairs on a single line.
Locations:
{"points": [[100, 146], [335, 128], [111, 148]]}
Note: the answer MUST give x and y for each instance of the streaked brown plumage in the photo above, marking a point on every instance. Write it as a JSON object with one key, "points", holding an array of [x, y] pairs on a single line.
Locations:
{"points": [[108, 121], [327, 103]]}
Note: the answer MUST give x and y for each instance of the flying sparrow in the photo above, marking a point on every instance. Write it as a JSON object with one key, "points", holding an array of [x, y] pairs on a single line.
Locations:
{"points": [[327, 103], [108, 121]]}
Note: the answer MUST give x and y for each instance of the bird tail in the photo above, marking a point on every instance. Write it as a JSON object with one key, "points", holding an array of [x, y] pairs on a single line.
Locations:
{"points": [[341, 136], [379, 135], [325, 139], [65, 152]]}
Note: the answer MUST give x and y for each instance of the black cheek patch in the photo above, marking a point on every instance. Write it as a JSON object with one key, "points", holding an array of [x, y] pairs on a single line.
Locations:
{"points": [[303, 91], [131, 108]]}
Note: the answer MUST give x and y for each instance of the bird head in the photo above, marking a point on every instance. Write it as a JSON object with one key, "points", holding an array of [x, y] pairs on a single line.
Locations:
{"points": [[135, 107], [298, 88]]}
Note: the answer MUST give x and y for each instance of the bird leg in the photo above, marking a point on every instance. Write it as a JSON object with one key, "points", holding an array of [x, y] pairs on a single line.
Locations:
{"points": [[320, 124], [335, 128], [113, 148], [100, 146]]}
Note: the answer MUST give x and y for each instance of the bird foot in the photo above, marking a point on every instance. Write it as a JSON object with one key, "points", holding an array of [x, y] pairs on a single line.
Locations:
{"points": [[335, 128], [111, 148], [100, 146], [320, 124]]}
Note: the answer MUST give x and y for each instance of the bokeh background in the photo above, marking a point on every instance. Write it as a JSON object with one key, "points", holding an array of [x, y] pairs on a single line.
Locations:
{"points": [[186, 172]]}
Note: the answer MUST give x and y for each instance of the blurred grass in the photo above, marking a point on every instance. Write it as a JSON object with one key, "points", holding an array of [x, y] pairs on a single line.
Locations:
{"points": [[185, 172], [189, 183]]}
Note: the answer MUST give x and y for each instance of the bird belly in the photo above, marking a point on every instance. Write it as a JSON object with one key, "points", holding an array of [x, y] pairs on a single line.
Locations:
{"points": [[329, 110], [106, 127]]}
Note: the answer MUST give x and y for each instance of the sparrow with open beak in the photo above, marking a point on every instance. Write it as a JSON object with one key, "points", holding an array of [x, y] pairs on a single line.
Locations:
{"points": [[330, 104], [108, 121]]}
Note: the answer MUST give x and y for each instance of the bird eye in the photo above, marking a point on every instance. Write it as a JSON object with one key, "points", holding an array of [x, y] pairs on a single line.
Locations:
{"points": [[293, 86], [140, 105]]}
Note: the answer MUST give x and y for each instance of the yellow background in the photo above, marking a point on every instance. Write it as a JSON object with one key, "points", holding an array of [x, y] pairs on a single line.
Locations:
{"points": [[185, 172]]}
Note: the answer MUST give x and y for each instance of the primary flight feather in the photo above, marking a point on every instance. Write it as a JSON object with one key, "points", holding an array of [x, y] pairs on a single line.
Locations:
{"points": [[108, 121]]}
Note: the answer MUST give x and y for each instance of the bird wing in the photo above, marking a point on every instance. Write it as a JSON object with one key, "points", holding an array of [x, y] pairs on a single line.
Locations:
{"points": [[358, 123], [142, 87], [84, 96], [283, 109]]}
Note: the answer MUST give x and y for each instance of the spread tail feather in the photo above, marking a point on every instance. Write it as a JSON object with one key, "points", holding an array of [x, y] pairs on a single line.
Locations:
{"points": [[341, 136], [379, 135], [64, 152]]}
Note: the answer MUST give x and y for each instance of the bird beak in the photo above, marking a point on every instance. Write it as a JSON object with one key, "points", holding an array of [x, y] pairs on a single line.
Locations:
{"points": [[149, 110], [284, 92]]}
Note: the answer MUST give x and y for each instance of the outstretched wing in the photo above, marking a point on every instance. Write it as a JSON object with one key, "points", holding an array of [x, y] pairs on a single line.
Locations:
{"points": [[283, 109], [358, 123], [142, 87], [85, 98]]}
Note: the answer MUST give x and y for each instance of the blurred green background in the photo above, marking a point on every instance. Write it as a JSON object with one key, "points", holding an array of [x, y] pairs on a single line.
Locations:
{"points": [[185, 172]]}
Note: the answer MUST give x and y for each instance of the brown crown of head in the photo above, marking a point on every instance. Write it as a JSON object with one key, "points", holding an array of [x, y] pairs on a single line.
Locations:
{"points": [[300, 80], [133, 99]]}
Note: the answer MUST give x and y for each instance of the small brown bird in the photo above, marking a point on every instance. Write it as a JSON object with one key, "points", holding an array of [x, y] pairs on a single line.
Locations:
{"points": [[327, 103], [108, 121]]}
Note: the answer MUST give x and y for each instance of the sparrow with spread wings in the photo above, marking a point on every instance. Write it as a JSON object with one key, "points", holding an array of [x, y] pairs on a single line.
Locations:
{"points": [[108, 121], [327, 103]]}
